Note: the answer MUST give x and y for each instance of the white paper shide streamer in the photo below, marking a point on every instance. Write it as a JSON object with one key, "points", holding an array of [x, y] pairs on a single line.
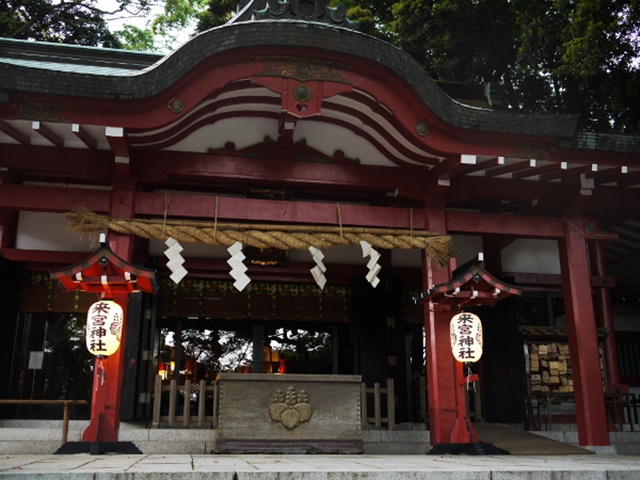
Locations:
{"points": [[319, 269], [238, 268], [176, 260], [373, 265]]}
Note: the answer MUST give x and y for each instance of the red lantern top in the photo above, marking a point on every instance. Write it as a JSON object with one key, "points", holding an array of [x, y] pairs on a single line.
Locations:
{"points": [[105, 272], [470, 286]]}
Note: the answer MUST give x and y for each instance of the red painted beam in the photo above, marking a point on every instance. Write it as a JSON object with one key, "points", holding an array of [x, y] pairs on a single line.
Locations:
{"points": [[504, 169], [14, 133], [533, 227], [244, 209], [85, 136], [52, 199], [154, 167], [572, 173], [48, 134], [94, 166], [43, 257], [8, 228], [151, 204], [532, 172], [519, 191]]}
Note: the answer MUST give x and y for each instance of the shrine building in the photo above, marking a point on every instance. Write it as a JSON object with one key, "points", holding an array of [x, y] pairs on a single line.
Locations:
{"points": [[333, 208]]}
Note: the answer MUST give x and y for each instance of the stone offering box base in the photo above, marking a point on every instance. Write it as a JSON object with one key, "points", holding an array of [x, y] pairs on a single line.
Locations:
{"points": [[289, 413]]}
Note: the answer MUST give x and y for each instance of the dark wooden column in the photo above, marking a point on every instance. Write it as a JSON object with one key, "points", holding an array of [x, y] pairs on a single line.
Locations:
{"points": [[441, 366], [604, 314], [583, 340]]}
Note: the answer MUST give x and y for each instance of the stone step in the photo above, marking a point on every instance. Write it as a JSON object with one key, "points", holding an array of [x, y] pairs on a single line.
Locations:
{"points": [[44, 437]]}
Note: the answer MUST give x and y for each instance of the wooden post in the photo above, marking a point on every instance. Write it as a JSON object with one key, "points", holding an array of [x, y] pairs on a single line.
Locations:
{"points": [[216, 393], [363, 405], [377, 410], [172, 402], [157, 402], [444, 389], [65, 423], [604, 314], [583, 341], [202, 396], [423, 399], [391, 405], [186, 404], [107, 389]]}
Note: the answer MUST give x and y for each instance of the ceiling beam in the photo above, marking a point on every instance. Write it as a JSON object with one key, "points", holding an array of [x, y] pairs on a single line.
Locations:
{"points": [[574, 172], [447, 170], [483, 165], [628, 179], [503, 170], [84, 135], [532, 172], [14, 133], [48, 134], [120, 149]]}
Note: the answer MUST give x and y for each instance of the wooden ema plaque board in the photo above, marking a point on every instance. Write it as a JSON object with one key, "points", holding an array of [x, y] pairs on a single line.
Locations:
{"points": [[549, 366]]}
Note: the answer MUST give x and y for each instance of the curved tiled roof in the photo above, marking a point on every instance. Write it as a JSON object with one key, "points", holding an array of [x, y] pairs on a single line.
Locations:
{"points": [[112, 74]]}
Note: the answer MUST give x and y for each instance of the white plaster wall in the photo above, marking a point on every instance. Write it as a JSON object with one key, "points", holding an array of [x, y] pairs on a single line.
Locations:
{"points": [[531, 256], [46, 231]]}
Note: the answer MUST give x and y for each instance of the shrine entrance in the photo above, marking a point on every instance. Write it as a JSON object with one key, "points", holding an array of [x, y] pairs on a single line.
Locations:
{"points": [[191, 349]]}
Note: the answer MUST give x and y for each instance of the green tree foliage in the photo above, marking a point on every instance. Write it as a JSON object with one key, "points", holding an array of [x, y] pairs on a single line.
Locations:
{"points": [[216, 350], [218, 12], [79, 22], [305, 351], [459, 40], [135, 38], [552, 56]]}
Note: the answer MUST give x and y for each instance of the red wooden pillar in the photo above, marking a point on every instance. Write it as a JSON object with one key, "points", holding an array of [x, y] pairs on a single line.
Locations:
{"points": [[583, 340], [8, 229], [604, 315], [109, 372], [107, 389], [445, 385]]}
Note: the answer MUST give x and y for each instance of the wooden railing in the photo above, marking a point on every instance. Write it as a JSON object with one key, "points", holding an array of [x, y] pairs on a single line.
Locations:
{"points": [[377, 419], [65, 411], [186, 405], [193, 400]]}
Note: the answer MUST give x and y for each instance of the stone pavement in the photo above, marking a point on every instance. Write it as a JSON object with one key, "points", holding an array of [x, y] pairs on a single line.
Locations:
{"points": [[319, 467]]}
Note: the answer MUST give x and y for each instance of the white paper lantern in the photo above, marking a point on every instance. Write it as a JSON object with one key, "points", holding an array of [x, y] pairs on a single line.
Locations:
{"points": [[466, 337], [104, 328]]}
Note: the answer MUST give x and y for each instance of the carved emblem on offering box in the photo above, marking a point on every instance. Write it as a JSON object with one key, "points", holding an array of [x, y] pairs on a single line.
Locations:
{"points": [[291, 408]]}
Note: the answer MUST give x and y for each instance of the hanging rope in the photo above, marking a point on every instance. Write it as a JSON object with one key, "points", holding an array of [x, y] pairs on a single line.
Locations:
{"points": [[282, 237]]}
